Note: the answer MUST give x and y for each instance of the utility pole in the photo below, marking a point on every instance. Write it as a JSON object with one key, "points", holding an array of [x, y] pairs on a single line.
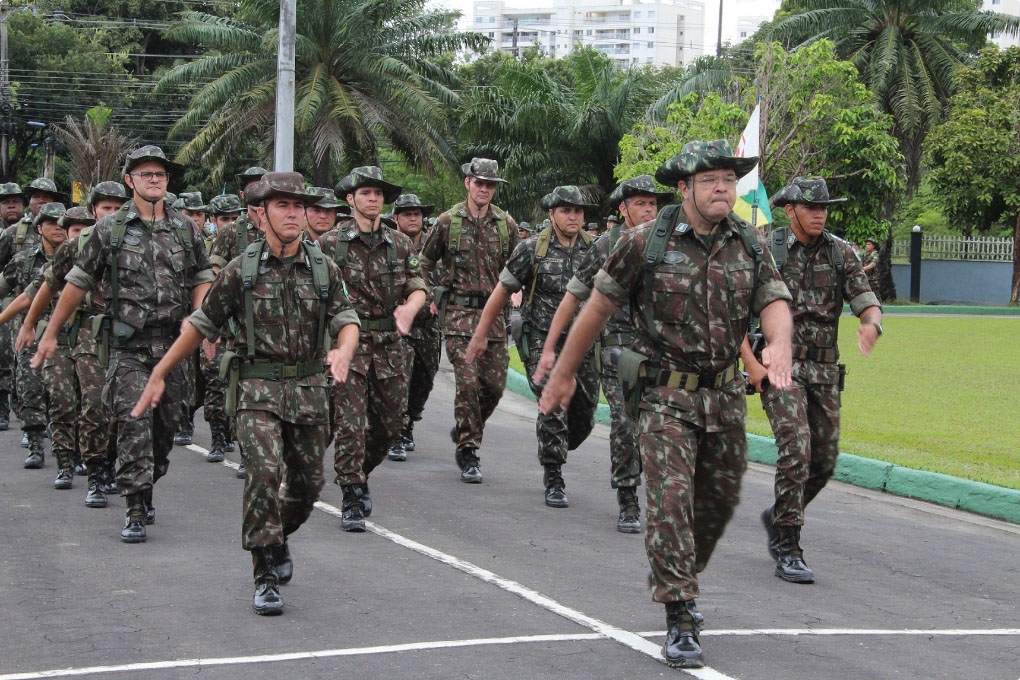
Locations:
{"points": [[283, 150], [718, 40], [516, 24], [6, 125]]}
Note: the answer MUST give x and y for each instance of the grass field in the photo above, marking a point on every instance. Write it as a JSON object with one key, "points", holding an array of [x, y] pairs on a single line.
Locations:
{"points": [[938, 393]]}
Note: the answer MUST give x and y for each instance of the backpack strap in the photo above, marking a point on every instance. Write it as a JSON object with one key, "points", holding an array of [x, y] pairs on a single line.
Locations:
{"points": [[655, 246], [20, 234], [836, 258], [778, 246], [320, 280], [249, 275], [614, 235], [118, 228], [541, 248], [241, 231], [391, 255]]}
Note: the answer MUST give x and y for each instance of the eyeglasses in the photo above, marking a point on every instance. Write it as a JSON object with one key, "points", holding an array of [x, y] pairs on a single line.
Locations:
{"points": [[712, 180], [147, 176]]}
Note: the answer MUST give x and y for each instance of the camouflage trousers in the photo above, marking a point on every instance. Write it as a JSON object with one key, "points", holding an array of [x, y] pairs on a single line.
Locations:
{"points": [[283, 475], [624, 454], [7, 360], [143, 444], [479, 387], [564, 431], [31, 392], [94, 424], [692, 487], [215, 397], [368, 414], [62, 399], [193, 387], [423, 358], [805, 421]]}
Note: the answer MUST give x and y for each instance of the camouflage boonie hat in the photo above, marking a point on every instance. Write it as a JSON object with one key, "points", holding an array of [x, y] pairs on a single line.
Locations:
{"points": [[48, 186], [613, 219], [50, 211], [564, 195], [114, 190], [76, 215], [327, 199], [288, 184], [11, 190], [642, 184], [367, 176], [812, 191], [411, 202], [252, 174], [872, 241], [190, 200], [483, 168], [225, 204], [525, 226], [150, 152], [700, 156]]}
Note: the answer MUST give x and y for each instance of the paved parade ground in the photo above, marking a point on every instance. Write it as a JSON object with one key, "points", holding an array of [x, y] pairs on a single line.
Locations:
{"points": [[484, 581]]}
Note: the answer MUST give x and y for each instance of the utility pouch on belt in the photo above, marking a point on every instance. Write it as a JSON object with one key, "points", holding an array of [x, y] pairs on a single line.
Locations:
{"points": [[101, 335], [522, 340], [40, 327], [121, 333], [628, 371], [842, 376], [442, 295], [230, 370]]}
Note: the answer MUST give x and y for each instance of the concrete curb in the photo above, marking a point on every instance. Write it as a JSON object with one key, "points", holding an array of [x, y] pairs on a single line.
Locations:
{"points": [[946, 309], [963, 494]]}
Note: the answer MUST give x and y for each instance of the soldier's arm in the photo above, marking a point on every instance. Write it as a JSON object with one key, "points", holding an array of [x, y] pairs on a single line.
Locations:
{"points": [[433, 250], [39, 304], [561, 319], [755, 371], [343, 324], [492, 311], [560, 388], [17, 306], [863, 302], [70, 298]]}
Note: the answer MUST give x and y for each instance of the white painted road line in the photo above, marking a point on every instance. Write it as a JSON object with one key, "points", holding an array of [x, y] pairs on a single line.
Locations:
{"points": [[952, 632]]}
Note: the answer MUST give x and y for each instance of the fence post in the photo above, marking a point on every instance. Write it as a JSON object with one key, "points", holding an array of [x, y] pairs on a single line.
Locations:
{"points": [[915, 263]]}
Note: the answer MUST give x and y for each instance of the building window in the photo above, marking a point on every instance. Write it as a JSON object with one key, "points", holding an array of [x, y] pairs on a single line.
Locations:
{"points": [[651, 14], [651, 29], [479, 20], [491, 34], [637, 14], [743, 34], [637, 29], [648, 60], [588, 32], [492, 20], [651, 46]]}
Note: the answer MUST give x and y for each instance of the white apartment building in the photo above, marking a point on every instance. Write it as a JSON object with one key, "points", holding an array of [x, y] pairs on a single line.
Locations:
{"points": [[1003, 40], [661, 32], [741, 19]]}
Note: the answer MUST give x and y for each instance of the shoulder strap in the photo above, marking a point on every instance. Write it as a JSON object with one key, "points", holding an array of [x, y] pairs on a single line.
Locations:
{"points": [[320, 280], [118, 228], [249, 275], [614, 235], [836, 259], [541, 248], [21, 233], [504, 231], [184, 236], [778, 247], [241, 230], [391, 255], [655, 246]]}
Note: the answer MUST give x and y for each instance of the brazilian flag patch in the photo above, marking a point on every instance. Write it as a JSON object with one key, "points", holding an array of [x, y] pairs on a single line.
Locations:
{"points": [[412, 261]]}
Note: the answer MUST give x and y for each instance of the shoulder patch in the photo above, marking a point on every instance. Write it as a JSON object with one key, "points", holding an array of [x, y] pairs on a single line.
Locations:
{"points": [[413, 261]]}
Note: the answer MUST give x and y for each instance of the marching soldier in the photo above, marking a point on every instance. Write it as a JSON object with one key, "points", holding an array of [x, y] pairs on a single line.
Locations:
{"points": [[380, 272], [224, 210], [472, 241], [12, 204], [870, 262], [424, 339], [524, 230], [151, 265], [288, 303], [638, 200], [692, 279], [821, 271], [12, 209], [541, 268], [323, 213]]}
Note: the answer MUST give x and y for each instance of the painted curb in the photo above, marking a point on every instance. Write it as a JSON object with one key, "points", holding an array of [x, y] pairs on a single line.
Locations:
{"points": [[934, 487], [945, 309]]}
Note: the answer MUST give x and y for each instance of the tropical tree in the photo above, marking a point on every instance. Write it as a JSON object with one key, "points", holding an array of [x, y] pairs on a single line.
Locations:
{"points": [[906, 51], [96, 148], [364, 76]]}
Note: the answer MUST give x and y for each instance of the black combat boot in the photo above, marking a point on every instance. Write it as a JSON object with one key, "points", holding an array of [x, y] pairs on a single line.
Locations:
{"points": [[36, 450], [108, 477], [555, 488], [396, 450], [283, 564], [240, 473], [218, 430], [771, 531], [630, 512], [407, 437], [95, 497], [470, 465], [267, 600], [692, 605], [5, 409], [65, 469], [134, 521], [366, 500], [790, 564], [187, 431], [80, 469], [353, 518], [682, 648], [229, 445], [150, 509], [24, 440]]}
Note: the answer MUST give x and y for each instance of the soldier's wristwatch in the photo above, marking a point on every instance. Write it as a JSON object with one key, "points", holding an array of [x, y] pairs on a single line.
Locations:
{"points": [[878, 327]]}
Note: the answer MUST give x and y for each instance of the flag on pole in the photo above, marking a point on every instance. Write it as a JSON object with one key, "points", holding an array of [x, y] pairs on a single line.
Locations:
{"points": [[750, 190]]}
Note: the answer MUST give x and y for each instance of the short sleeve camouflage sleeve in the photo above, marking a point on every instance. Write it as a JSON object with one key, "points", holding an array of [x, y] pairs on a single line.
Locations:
{"points": [[518, 269], [770, 286]]}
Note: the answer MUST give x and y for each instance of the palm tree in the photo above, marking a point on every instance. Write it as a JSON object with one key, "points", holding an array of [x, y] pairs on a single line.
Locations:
{"points": [[905, 50], [365, 74], [546, 133], [96, 148]]}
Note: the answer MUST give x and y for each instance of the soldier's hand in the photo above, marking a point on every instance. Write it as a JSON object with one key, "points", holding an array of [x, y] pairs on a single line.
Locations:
{"points": [[517, 298], [557, 393], [867, 334], [433, 309], [476, 347], [404, 314], [26, 336], [47, 345], [545, 364], [151, 395], [209, 349], [755, 374], [339, 365], [777, 357]]}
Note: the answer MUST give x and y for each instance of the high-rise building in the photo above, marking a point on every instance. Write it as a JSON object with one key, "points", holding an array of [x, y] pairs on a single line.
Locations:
{"points": [[1004, 40], [662, 32], [741, 19]]}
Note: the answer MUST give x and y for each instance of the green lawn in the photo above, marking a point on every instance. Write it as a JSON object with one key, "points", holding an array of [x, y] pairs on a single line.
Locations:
{"points": [[939, 394]]}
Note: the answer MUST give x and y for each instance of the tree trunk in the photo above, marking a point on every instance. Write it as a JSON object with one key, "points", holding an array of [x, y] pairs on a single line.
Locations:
{"points": [[1014, 295]]}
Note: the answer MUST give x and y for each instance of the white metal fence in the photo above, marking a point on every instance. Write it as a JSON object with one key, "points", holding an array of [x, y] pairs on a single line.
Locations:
{"points": [[986, 249]]}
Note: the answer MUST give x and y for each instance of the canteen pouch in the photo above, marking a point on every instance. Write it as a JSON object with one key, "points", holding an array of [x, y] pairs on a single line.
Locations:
{"points": [[441, 295], [40, 328], [101, 334], [628, 372], [842, 375], [597, 361], [523, 340], [120, 333], [230, 370]]}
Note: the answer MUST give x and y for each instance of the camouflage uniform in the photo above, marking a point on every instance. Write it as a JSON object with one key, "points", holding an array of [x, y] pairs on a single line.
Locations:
{"points": [[544, 282], [471, 273], [7, 362], [872, 274], [805, 417], [380, 272], [157, 275], [693, 444]]}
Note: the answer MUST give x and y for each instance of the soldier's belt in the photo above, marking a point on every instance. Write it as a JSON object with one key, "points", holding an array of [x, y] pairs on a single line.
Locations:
{"points": [[825, 355], [472, 301], [690, 381], [278, 371], [617, 339], [387, 324]]}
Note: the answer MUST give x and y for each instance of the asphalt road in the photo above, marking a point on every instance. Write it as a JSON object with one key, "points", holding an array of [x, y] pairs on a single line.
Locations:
{"points": [[484, 581]]}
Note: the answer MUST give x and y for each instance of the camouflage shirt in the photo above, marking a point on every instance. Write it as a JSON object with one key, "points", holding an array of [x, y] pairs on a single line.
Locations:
{"points": [[426, 324], [550, 280], [375, 288], [225, 246], [21, 272], [285, 315], [476, 265], [55, 273], [157, 273], [580, 286], [8, 238]]}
